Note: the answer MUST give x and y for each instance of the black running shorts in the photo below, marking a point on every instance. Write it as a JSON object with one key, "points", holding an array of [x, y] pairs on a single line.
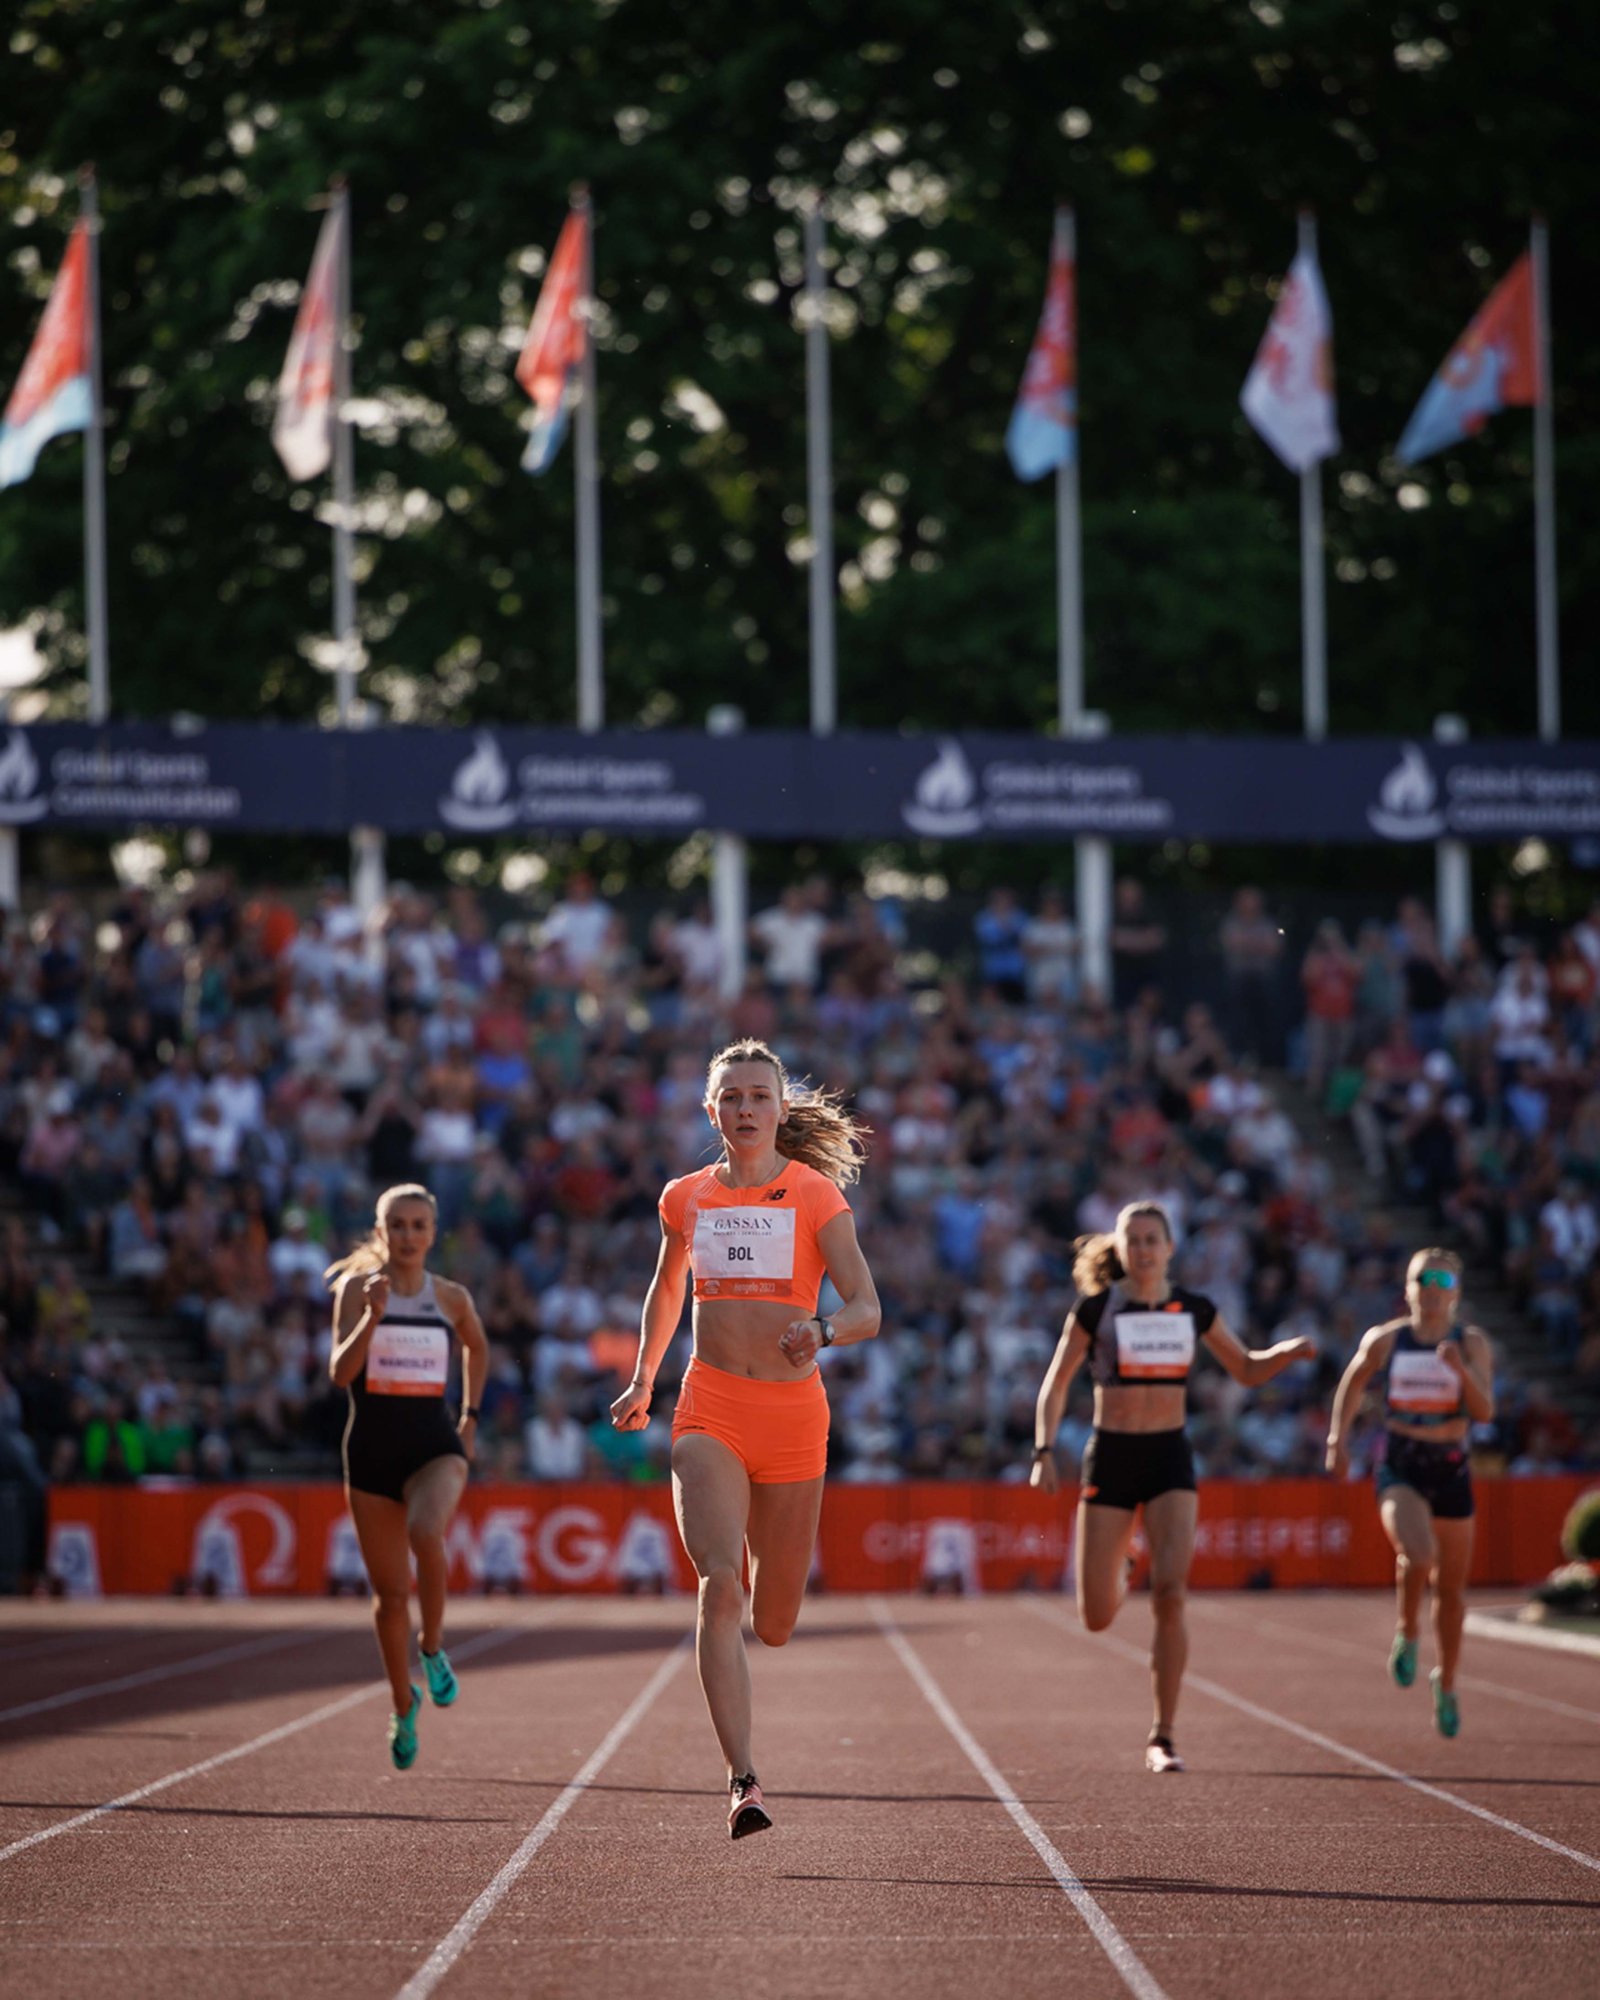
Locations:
{"points": [[1127, 1468]]}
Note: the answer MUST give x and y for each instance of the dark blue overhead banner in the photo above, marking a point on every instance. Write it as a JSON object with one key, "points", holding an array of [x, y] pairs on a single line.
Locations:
{"points": [[489, 783]]}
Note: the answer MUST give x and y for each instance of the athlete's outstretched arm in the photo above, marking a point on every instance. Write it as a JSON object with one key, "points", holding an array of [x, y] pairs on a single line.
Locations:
{"points": [[663, 1308], [1071, 1351], [1368, 1358], [860, 1315], [1254, 1365]]}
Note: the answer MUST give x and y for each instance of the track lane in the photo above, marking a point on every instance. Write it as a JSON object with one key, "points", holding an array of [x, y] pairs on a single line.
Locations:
{"points": [[318, 1839], [311, 1868], [891, 1871]]}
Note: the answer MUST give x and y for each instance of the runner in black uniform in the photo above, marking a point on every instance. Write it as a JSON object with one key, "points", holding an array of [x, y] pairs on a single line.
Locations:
{"points": [[1138, 1335], [405, 1464], [1439, 1380]]}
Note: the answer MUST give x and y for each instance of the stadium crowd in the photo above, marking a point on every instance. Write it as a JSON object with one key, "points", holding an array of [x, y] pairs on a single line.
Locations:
{"points": [[203, 1094]]}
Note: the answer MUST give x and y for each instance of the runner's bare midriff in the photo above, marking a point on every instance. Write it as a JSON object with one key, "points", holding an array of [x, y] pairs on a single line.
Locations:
{"points": [[1138, 1406], [741, 1336], [1452, 1433]]}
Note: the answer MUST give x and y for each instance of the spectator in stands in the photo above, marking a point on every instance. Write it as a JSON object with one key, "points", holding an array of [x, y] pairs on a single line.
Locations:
{"points": [[999, 930], [297, 1253], [1330, 973], [555, 1445], [1252, 948], [1138, 944], [1050, 946], [791, 933], [579, 926]]}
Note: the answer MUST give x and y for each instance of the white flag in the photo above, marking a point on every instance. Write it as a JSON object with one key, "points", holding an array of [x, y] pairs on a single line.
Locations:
{"points": [[303, 428], [1288, 394]]}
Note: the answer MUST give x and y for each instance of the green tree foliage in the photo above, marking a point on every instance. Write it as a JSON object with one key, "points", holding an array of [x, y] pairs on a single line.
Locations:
{"points": [[1186, 133]]}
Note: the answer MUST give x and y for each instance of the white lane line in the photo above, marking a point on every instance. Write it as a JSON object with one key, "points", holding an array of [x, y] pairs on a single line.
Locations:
{"points": [[1358, 1757], [1481, 1626], [451, 1947], [1135, 1974], [287, 1729], [1322, 1642], [223, 1656]]}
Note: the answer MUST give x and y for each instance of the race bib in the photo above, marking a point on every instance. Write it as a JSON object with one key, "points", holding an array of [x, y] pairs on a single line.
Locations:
{"points": [[752, 1245], [1420, 1382], [408, 1360], [1154, 1346]]}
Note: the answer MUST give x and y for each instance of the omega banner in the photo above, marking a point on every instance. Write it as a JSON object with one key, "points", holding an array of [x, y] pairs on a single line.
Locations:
{"points": [[787, 785], [294, 1539]]}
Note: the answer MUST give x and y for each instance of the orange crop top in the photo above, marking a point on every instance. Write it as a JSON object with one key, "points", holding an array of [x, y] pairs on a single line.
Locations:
{"points": [[755, 1242]]}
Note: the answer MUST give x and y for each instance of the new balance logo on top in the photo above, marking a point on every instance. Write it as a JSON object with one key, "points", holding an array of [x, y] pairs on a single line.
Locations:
{"points": [[775, 1194]]}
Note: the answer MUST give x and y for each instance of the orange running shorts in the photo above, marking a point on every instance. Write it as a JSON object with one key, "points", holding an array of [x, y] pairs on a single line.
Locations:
{"points": [[778, 1431]]}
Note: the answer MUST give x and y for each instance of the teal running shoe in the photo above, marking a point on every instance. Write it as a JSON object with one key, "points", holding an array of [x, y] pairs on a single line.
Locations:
{"points": [[1446, 1709], [1403, 1660], [403, 1734], [442, 1684]]}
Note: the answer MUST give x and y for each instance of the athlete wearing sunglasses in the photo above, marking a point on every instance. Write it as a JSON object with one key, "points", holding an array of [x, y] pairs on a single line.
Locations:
{"points": [[1438, 1382]]}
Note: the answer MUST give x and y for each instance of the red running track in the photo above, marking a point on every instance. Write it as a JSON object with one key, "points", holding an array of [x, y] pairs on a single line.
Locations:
{"points": [[199, 1800]]}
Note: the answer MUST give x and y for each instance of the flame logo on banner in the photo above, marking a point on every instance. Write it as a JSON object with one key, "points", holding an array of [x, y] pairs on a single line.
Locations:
{"points": [[945, 792], [19, 782], [1407, 800], [477, 800]]}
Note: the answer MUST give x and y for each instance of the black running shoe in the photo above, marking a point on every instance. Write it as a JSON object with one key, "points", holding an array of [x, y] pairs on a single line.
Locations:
{"points": [[747, 1812]]}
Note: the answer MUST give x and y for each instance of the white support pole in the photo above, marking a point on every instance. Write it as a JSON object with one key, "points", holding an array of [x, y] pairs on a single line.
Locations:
{"points": [[819, 483], [369, 874], [1544, 496], [1452, 864], [94, 475], [1069, 547], [1092, 866], [730, 878], [1313, 583], [586, 472]]}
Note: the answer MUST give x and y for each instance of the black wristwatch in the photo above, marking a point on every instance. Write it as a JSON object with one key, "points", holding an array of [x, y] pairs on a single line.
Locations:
{"points": [[469, 1411], [827, 1330], [1043, 1450]]}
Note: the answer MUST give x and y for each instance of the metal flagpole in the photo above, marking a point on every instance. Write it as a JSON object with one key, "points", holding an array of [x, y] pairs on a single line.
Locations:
{"points": [[819, 483], [1091, 854], [1544, 494], [94, 473], [586, 464], [368, 874], [344, 587], [1313, 608], [1069, 542]]}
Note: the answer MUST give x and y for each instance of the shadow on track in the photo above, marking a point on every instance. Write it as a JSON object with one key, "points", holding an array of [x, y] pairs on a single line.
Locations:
{"points": [[1435, 1778], [319, 1660], [1162, 1885], [142, 1810], [784, 1792]]}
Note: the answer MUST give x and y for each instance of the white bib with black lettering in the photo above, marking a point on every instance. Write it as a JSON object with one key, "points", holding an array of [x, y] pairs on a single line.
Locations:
{"points": [[408, 1359], [1419, 1382], [744, 1243], [1154, 1346]]}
